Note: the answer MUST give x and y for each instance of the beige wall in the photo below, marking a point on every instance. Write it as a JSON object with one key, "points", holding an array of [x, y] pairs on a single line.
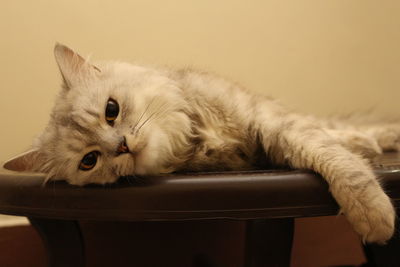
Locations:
{"points": [[318, 56]]}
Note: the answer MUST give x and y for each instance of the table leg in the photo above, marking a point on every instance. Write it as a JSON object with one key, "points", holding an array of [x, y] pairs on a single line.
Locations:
{"points": [[269, 242], [63, 241]]}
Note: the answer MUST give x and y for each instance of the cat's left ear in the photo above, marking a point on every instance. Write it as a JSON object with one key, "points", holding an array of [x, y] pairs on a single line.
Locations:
{"points": [[74, 68], [30, 161]]}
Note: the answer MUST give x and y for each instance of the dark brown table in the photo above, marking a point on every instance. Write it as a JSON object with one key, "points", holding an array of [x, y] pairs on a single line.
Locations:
{"points": [[268, 200]]}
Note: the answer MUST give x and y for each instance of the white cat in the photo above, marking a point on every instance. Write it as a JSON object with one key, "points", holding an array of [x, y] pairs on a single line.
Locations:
{"points": [[114, 119]]}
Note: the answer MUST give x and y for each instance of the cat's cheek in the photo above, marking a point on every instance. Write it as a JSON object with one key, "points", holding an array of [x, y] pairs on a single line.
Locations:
{"points": [[151, 159]]}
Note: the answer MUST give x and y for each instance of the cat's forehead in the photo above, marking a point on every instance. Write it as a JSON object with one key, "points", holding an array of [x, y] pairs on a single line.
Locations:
{"points": [[72, 136], [81, 131]]}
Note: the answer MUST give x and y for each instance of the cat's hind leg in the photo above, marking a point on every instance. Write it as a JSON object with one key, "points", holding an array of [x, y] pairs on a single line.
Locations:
{"points": [[386, 135], [357, 142]]}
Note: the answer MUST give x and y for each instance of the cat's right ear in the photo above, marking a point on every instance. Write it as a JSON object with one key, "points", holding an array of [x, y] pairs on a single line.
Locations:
{"points": [[74, 68], [30, 161]]}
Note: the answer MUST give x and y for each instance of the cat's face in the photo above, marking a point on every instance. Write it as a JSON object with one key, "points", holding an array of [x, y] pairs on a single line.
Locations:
{"points": [[110, 120]]}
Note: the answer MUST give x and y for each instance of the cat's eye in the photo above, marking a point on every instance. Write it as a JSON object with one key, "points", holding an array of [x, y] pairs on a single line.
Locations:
{"points": [[89, 161], [112, 111]]}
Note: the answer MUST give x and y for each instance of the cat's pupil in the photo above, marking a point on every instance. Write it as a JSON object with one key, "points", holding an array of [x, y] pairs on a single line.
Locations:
{"points": [[112, 111], [89, 161]]}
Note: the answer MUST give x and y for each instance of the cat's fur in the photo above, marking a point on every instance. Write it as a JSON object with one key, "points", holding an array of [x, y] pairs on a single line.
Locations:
{"points": [[190, 120]]}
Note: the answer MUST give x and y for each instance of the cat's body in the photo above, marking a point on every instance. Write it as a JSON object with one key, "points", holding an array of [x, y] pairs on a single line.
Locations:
{"points": [[116, 119]]}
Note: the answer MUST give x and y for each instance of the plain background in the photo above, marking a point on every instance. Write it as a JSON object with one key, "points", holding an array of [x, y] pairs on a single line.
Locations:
{"points": [[322, 57]]}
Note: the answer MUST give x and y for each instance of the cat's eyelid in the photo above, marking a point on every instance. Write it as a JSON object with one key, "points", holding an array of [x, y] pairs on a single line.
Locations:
{"points": [[89, 148]]}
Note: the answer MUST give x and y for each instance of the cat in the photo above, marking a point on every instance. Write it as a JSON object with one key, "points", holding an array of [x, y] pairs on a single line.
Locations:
{"points": [[115, 119]]}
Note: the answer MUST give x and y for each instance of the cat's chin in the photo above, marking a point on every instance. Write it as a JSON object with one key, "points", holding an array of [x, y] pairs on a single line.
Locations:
{"points": [[124, 165]]}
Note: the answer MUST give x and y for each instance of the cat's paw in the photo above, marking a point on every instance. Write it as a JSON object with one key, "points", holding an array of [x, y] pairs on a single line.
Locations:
{"points": [[387, 136], [375, 221]]}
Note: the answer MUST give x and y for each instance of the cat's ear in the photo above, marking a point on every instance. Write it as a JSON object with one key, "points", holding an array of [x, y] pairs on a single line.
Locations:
{"points": [[74, 68], [29, 161]]}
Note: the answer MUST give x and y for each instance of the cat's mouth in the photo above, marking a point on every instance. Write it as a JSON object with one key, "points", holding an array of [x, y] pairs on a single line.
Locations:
{"points": [[125, 164]]}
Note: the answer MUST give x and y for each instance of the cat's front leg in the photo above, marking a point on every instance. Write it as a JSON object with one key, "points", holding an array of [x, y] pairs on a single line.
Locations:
{"points": [[301, 143]]}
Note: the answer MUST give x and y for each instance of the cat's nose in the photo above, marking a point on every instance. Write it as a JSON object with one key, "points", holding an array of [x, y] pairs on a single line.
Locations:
{"points": [[122, 147]]}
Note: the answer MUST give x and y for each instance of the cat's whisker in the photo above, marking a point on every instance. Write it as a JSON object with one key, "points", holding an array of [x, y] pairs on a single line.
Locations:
{"points": [[146, 121], [135, 130], [144, 112], [46, 180], [154, 115]]}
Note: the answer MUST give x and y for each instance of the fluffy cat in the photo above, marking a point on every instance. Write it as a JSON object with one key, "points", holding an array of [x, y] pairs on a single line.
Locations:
{"points": [[114, 119]]}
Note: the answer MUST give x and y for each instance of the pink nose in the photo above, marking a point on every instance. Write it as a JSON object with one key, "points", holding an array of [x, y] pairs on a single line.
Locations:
{"points": [[123, 147]]}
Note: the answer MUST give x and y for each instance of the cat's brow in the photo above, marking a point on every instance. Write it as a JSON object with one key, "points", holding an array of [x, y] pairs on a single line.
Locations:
{"points": [[93, 113], [74, 148], [81, 129]]}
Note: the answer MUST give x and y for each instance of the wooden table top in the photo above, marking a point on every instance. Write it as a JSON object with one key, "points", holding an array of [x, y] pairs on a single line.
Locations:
{"points": [[228, 195]]}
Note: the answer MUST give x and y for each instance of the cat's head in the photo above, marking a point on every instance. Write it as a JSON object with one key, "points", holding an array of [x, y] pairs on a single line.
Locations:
{"points": [[109, 120]]}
